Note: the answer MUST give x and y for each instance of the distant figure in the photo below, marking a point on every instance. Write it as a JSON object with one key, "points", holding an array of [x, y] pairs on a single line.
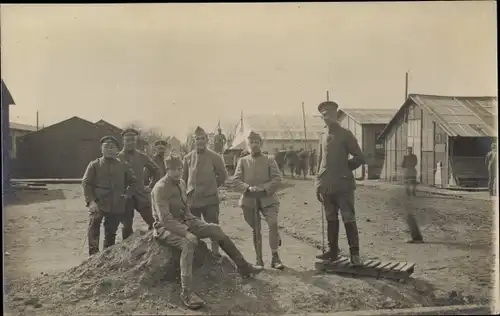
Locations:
{"points": [[279, 157], [219, 142], [491, 161], [313, 160], [409, 165], [303, 163], [292, 159]]}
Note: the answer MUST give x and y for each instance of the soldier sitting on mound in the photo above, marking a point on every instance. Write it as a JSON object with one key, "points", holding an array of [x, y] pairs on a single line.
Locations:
{"points": [[175, 225]]}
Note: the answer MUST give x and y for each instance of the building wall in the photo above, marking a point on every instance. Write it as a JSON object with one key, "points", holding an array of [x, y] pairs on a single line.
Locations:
{"points": [[6, 146], [272, 145], [15, 134], [59, 151], [441, 153], [356, 128], [428, 164], [374, 150], [414, 136], [395, 148]]}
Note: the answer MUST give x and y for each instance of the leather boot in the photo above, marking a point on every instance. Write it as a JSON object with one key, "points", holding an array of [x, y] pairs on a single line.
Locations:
{"points": [[245, 269], [351, 230], [276, 262], [190, 299], [332, 230]]}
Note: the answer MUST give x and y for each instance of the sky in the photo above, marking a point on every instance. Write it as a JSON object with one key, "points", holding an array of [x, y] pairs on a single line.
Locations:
{"points": [[175, 66]]}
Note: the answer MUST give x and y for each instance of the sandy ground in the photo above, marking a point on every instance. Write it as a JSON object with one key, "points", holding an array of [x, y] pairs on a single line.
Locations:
{"points": [[45, 235]]}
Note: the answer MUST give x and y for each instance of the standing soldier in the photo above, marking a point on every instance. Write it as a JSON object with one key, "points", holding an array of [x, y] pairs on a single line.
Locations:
{"points": [[335, 183], [491, 161], [312, 162], [291, 160], [140, 200], [409, 164], [106, 183], [279, 157], [219, 142], [258, 177], [176, 226], [303, 163], [159, 156], [204, 172]]}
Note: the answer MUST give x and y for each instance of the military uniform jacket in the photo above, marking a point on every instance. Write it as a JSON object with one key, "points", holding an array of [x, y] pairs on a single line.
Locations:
{"points": [[335, 168], [159, 161], [138, 161], [105, 181], [409, 165], [261, 171], [203, 173], [170, 210]]}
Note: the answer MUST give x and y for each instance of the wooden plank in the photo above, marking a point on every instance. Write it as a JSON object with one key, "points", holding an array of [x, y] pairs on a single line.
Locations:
{"points": [[383, 265], [374, 264], [392, 265], [367, 263], [399, 266], [409, 268]]}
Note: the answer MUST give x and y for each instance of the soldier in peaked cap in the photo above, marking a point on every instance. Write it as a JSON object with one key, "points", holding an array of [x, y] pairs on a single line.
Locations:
{"points": [[204, 172], [140, 199], [176, 226], [159, 156], [106, 183], [258, 177], [335, 184]]}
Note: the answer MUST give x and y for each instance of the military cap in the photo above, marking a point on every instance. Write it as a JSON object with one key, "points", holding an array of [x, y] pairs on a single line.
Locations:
{"points": [[161, 143], [327, 105], [110, 139], [172, 161], [254, 136], [130, 132], [199, 131]]}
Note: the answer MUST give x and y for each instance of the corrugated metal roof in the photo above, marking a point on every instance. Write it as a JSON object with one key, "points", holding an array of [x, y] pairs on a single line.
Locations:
{"points": [[284, 127], [461, 116], [370, 116], [22, 127]]}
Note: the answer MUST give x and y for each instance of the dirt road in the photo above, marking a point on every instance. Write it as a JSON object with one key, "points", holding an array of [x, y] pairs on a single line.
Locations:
{"points": [[48, 237]]}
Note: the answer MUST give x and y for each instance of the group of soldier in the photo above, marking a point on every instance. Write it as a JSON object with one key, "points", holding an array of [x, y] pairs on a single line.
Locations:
{"points": [[302, 162], [180, 200]]}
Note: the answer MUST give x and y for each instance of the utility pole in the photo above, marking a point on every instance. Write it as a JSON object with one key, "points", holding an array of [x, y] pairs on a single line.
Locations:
{"points": [[327, 96], [305, 129], [406, 86], [37, 121]]}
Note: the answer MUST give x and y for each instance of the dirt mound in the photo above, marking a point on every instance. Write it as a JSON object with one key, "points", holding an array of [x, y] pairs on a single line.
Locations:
{"points": [[142, 275], [138, 271]]}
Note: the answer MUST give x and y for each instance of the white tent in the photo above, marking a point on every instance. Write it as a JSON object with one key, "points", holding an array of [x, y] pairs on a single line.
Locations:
{"points": [[239, 142]]}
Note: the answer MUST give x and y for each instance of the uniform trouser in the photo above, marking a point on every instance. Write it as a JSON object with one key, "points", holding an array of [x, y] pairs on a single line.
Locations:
{"points": [[492, 180], [312, 167], [111, 222], [270, 214], [292, 168], [143, 206], [302, 168], [410, 185], [210, 214], [343, 202], [202, 230]]}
